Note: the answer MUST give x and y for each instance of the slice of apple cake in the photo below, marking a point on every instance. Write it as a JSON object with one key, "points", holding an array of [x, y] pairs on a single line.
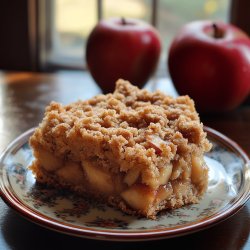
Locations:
{"points": [[139, 151]]}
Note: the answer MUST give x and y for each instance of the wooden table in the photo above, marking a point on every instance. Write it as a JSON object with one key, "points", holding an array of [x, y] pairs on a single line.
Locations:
{"points": [[23, 97]]}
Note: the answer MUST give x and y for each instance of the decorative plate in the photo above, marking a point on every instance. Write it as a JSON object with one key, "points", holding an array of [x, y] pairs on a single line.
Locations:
{"points": [[228, 190]]}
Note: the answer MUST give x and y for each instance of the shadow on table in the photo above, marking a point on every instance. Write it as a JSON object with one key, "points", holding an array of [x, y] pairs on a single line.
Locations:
{"points": [[231, 234]]}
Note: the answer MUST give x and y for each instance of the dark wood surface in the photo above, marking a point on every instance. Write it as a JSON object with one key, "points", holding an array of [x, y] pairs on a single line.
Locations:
{"points": [[23, 97]]}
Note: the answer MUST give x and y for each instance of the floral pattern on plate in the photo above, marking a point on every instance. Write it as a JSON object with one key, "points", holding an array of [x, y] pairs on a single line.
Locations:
{"points": [[227, 185]]}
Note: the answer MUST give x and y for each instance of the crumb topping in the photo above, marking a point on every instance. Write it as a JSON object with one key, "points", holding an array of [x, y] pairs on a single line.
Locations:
{"points": [[130, 128]]}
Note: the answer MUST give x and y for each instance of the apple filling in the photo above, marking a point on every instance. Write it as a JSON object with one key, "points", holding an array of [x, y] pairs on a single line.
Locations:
{"points": [[173, 180]]}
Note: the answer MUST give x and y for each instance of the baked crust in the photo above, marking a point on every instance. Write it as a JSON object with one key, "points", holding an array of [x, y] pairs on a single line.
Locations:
{"points": [[133, 140]]}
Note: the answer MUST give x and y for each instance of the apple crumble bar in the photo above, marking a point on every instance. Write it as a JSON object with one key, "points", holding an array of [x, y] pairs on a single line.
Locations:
{"points": [[139, 151]]}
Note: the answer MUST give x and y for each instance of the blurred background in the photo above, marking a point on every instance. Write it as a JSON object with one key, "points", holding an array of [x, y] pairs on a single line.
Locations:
{"points": [[47, 35]]}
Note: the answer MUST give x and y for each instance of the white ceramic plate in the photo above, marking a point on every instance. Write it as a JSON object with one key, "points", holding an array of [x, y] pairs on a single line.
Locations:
{"points": [[228, 190]]}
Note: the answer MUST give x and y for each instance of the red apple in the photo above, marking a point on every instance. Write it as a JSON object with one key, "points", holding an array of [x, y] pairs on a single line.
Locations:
{"points": [[122, 48], [211, 63]]}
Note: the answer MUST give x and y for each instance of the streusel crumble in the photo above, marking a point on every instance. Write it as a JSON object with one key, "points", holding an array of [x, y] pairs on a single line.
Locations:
{"points": [[139, 151]]}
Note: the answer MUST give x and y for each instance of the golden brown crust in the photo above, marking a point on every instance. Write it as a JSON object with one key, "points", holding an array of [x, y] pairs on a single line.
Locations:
{"points": [[115, 127], [129, 129]]}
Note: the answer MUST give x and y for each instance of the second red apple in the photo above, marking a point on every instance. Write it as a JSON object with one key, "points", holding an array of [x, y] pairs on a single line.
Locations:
{"points": [[211, 63]]}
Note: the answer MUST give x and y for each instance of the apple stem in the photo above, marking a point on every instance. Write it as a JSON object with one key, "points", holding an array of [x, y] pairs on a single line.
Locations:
{"points": [[123, 21], [218, 33]]}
